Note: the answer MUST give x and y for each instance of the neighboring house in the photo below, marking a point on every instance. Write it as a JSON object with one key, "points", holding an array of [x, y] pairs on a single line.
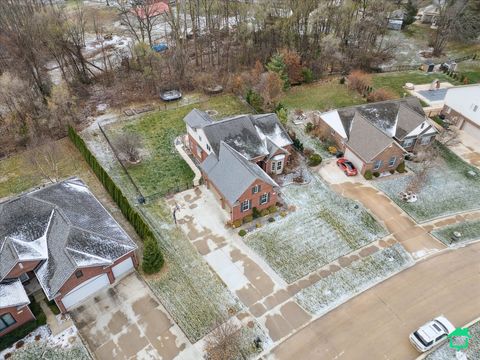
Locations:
{"points": [[376, 136], [237, 156], [395, 19], [430, 13], [462, 108], [64, 239]]}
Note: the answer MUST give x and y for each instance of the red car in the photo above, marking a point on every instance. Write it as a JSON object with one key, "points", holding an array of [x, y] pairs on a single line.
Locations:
{"points": [[347, 167]]}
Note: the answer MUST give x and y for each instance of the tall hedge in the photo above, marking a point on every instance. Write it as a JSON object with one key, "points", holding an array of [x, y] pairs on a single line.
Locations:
{"points": [[141, 227]]}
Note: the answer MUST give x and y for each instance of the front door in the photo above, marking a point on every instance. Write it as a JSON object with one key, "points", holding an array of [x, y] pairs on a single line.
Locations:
{"points": [[277, 166]]}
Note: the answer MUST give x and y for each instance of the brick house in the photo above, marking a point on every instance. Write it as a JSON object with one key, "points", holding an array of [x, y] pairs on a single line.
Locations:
{"points": [[462, 108], [376, 136], [64, 239], [237, 156]]}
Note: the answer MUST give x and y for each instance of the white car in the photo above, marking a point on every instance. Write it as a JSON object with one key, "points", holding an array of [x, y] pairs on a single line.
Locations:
{"points": [[431, 334]]}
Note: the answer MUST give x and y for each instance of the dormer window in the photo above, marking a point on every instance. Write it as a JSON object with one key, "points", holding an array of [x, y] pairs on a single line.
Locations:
{"points": [[422, 126]]}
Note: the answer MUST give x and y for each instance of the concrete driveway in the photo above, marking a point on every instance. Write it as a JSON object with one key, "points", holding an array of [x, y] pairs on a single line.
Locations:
{"points": [[127, 322]]}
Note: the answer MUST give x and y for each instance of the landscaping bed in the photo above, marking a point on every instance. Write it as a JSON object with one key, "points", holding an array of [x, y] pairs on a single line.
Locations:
{"points": [[349, 281], [324, 227], [19, 333], [444, 352], [449, 188], [162, 169], [469, 230]]}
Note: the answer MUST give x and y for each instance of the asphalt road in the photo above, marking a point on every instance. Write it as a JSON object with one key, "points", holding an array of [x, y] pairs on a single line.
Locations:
{"points": [[376, 324]]}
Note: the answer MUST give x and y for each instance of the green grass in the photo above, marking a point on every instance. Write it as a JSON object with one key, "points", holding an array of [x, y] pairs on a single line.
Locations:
{"points": [[163, 170], [320, 96], [471, 69], [470, 230], [18, 174], [396, 81]]}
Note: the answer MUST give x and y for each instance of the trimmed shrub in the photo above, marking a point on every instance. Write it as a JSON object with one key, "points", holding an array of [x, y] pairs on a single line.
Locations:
{"points": [[309, 127], [53, 306], [332, 150], [258, 225], [376, 174], [342, 80], [271, 219], [297, 144], [392, 171], [152, 257], [283, 214], [264, 212], [401, 167], [237, 223], [368, 175], [272, 209], [308, 151], [242, 233], [255, 100], [314, 160], [256, 213], [247, 219]]}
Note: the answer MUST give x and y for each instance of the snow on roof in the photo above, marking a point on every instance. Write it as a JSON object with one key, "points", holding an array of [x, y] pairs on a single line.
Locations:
{"points": [[64, 226], [13, 294], [333, 120]]}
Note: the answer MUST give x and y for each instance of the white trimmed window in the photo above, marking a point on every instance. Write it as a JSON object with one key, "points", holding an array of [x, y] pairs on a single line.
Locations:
{"points": [[425, 140], [256, 189], [6, 320], [408, 142], [264, 198], [274, 165], [377, 165], [245, 206], [392, 161], [208, 147]]}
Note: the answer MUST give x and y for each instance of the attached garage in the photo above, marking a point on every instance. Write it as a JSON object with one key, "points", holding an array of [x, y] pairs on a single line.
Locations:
{"points": [[123, 268], [471, 129], [356, 161], [84, 290]]}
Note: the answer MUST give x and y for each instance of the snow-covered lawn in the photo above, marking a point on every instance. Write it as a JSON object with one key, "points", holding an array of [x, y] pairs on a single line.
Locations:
{"points": [[40, 344], [449, 189], [469, 230], [349, 281], [324, 227], [444, 352]]}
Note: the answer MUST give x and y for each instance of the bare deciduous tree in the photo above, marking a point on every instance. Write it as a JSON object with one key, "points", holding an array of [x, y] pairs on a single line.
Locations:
{"points": [[223, 343], [45, 158], [129, 145]]}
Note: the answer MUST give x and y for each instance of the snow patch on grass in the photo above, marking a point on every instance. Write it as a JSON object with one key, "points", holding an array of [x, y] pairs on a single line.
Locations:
{"points": [[324, 227], [470, 231], [449, 189], [349, 281]]}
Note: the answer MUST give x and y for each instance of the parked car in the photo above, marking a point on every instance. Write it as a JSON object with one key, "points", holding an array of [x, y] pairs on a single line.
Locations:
{"points": [[160, 47], [431, 334], [171, 95], [347, 167]]}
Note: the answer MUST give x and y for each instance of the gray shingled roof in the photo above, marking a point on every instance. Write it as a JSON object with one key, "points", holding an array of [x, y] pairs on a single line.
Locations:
{"points": [[246, 134], [64, 225], [395, 118], [13, 294], [197, 119], [361, 138], [232, 173]]}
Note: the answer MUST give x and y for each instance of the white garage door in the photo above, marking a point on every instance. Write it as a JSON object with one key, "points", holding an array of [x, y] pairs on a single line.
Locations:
{"points": [[354, 159], [122, 268], [471, 130], [84, 290]]}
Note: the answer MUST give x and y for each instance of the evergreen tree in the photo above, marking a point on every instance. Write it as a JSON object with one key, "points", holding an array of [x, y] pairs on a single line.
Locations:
{"points": [[152, 257], [277, 65]]}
